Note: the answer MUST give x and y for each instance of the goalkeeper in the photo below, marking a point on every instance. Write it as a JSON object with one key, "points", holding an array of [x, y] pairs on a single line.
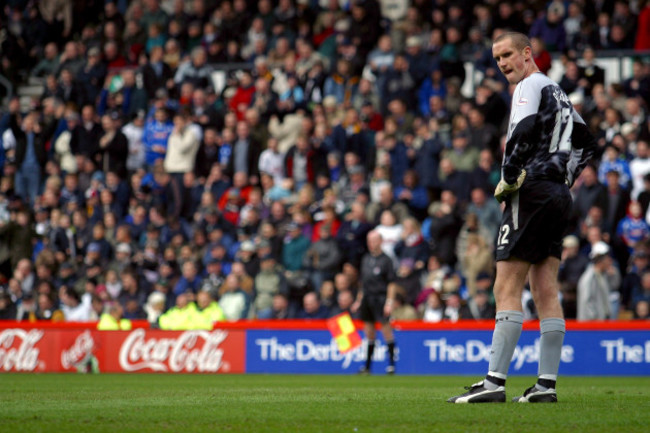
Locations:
{"points": [[547, 147]]}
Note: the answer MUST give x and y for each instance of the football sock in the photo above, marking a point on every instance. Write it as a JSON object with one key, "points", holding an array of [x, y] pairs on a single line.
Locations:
{"points": [[550, 350], [391, 352], [371, 350], [544, 384], [504, 341]]}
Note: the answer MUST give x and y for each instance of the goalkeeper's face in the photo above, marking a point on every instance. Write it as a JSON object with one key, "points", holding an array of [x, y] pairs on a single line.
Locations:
{"points": [[514, 63]]}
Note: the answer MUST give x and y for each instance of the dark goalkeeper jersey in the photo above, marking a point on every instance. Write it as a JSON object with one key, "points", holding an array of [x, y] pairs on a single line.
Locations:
{"points": [[546, 136]]}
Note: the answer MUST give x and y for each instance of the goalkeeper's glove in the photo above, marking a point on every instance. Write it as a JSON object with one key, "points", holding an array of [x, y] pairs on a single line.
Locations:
{"points": [[503, 189]]}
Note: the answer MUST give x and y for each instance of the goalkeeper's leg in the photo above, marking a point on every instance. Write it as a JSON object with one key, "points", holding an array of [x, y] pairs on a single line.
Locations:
{"points": [[508, 286], [544, 287], [511, 276]]}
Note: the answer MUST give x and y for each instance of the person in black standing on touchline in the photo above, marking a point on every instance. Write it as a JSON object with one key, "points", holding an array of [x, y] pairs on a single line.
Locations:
{"points": [[374, 300]]}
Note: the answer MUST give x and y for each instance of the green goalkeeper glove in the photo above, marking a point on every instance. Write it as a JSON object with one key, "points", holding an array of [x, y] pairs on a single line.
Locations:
{"points": [[503, 189]]}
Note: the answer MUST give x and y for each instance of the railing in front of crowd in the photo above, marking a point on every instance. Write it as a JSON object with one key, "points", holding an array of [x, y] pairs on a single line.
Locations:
{"points": [[617, 65]]}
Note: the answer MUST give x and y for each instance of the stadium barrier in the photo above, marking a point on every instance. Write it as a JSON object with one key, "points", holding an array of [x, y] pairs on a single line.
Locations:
{"points": [[293, 346]]}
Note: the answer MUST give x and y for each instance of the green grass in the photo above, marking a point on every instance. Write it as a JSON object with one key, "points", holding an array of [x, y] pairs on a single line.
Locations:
{"points": [[281, 403]]}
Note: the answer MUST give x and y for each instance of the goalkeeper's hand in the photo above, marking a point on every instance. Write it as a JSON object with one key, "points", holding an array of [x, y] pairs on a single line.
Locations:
{"points": [[503, 189]]}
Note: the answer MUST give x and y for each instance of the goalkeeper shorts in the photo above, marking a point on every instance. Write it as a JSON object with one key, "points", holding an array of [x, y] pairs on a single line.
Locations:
{"points": [[534, 222]]}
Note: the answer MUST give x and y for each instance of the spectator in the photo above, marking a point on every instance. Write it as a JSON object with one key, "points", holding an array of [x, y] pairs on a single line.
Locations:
{"points": [[642, 310], [456, 181], [612, 161], [234, 301], [479, 305], [597, 285], [618, 200], [180, 317], [155, 307], [344, 299], [182, 147], [47, 308], [342, 84], [475, 261], [8, 310], [386, 202], [487, 211], [398, 84], [280, 308], [112, 320], [30, 156], [245, 155], [639, 167], [302, 162], [134, 133], [312, 308], [572, 267], [113, 147], [642, 291], [643, 26], [433, 309], [590, 71], [550, 29], [156, 136], [70, 59], [269, 283], [91, 75], [208, 311], [402, 310], [462, 156], [541, 56], [75, 308], [412, 245], [589, 193], [294, 249], [49, 64], [380, 60], [190, 282], [445, 227], [195, 70], [633, 229], [632, 280], [17, 235], [323, 257], [450, 60]]}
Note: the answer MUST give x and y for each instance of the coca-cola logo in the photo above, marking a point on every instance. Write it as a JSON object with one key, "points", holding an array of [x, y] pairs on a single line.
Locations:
{"points": [[183, 353], [17, 351], [81, 348]]}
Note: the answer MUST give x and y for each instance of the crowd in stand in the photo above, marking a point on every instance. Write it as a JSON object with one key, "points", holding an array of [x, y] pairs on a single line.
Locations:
{"points": [[223, 160]]}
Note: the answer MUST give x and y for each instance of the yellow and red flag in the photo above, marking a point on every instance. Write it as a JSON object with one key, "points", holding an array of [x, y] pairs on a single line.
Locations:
{"points": [[343, 330]]}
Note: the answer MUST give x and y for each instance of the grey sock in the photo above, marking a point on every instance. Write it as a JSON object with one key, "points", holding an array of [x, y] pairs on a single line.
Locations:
{"points": [[504, 341], [550, 347]]}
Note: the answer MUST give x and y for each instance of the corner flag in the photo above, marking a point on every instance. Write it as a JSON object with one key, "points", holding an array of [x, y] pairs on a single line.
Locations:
{"points": [[343, 330]]}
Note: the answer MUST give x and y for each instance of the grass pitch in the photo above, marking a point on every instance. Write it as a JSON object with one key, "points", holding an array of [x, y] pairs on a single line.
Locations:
{"points": [[281, 403]]}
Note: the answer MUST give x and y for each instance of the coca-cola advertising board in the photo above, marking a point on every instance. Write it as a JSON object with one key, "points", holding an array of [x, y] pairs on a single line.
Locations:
{"points": [[139, 350]]}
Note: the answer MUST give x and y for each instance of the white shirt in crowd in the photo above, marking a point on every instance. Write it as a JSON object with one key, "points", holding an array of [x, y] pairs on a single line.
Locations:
{"points": [[80, 313]]}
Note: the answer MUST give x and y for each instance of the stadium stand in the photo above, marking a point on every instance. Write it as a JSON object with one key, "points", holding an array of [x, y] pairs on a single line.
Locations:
{"points": [[153, 150]]}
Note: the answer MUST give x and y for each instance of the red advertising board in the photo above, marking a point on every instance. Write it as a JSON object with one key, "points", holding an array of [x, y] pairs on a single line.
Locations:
{"points": [[139, 350]]}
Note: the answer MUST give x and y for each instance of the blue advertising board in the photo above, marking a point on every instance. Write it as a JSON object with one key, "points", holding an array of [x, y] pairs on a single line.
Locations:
{"points": [[607, 353]]}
